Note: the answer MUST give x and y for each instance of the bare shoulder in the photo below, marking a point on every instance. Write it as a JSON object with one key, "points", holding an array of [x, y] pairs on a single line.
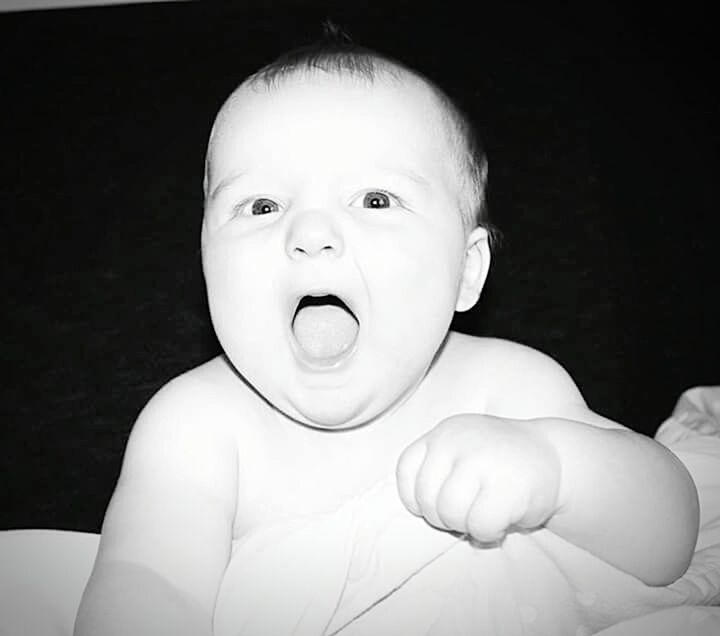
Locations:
{"points": [[528, 380], [520, 381], [209, 400], [178, 481], [183, 437], [194, 420]]}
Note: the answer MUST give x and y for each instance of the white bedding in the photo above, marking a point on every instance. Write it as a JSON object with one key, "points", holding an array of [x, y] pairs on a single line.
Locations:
{"points": [[371, 568]]}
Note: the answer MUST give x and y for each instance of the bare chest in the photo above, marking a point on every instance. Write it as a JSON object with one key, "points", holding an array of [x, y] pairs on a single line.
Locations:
{"points": [[293, 479], [288, 472]]}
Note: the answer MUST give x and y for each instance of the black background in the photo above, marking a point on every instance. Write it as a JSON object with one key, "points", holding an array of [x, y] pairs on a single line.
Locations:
{"points": [[600, 129]]}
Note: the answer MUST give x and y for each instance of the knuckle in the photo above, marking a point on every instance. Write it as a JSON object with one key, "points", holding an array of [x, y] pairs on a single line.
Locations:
{"points": [[427, 507], [487, 520], [405, 473], [485, 533], [536, 513], [456, 498], [452, 514], [427, 489], [406, 493], [425, 498], [412, 457]]}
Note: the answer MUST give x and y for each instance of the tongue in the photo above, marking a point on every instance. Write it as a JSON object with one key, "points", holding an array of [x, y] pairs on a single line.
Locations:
{"points": [[324, 331]]}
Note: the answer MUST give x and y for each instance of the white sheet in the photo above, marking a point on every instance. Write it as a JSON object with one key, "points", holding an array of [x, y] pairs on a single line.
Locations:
{"points": [[371, 568]]}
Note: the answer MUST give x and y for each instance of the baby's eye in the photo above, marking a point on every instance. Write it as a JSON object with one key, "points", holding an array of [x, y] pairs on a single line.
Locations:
{"points": [[264, 206], [379, 199], [257, 207]]}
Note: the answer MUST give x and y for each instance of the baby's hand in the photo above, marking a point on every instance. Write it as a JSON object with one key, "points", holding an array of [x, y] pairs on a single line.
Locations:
{"points": [[481, 476]]}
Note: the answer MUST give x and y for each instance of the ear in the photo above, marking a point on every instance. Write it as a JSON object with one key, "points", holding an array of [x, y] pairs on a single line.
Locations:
{"points": [[477, 265]]}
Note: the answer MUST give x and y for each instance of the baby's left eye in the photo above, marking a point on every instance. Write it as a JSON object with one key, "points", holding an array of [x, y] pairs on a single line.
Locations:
{"points": [[379, 200]]}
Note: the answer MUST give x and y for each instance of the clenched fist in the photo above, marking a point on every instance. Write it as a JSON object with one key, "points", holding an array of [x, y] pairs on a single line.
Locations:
{"points": [[481, 476]]}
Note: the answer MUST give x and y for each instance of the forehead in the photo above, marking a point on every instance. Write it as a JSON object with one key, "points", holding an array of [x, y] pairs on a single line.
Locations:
{"points": [[325, 115]]}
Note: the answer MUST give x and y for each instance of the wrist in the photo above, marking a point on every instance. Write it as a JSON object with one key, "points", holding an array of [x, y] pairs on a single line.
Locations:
{"points": [[571, 445]]}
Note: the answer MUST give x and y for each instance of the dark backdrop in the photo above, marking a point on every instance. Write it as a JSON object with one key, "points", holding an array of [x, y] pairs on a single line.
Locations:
{"points": [[600, 130]]}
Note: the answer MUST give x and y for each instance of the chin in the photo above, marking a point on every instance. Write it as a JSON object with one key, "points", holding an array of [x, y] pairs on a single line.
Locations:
{"points": [[326, 415]]}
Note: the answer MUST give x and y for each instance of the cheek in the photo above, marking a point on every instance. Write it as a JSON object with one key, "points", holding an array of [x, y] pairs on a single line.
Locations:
{"points": [[240, 287], [425, 264], [414, 286], [238, 267]]}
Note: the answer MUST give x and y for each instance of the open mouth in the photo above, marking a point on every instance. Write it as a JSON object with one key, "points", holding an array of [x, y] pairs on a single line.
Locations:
{"points": [[325, 328]]}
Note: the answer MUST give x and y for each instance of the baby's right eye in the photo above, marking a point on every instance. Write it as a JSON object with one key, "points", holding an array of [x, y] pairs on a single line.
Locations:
{"points": [[257, 207], [377, 200]]}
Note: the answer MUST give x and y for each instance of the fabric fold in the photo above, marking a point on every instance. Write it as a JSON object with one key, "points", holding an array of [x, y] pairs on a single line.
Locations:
{"points": [[370, 568]]}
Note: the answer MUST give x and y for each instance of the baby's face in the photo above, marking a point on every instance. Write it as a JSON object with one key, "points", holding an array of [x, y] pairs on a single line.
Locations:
{"points": [[333, 244]]}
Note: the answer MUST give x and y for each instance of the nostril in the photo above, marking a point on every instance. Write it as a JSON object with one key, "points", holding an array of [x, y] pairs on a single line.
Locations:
{"points": [[314, 234], [309, 250]]}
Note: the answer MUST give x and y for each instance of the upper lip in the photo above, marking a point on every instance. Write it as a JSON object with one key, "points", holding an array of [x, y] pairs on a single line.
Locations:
{"points": [[330, 295], [316, 291]]}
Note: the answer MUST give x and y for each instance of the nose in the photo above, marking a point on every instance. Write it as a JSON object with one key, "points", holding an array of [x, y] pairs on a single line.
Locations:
{"points": [[314, 233]]}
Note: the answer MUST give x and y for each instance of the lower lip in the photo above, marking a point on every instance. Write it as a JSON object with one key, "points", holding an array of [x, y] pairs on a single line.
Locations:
{"points": [[323, 364]]}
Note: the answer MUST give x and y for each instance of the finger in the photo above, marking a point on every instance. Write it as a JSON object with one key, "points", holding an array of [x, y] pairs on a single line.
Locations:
{"points": [[540, 508], [408, 468], [433, 473], [494, 510], [457, 496]]}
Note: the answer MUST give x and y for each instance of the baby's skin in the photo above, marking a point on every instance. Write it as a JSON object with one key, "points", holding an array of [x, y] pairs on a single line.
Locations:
{"points": [[347, 191]]}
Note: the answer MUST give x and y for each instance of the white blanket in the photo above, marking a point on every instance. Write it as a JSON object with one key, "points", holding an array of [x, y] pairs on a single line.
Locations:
{"points": [[372, 569]]}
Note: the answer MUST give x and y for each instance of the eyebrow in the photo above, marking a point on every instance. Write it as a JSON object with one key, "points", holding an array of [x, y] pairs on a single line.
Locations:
{"points": [[224, 183], [407, 174]]}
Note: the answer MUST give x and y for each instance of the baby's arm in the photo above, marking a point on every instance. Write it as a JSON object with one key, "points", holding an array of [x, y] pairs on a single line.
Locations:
{"points": [[623, 497], [544, 458], [167, 533]]}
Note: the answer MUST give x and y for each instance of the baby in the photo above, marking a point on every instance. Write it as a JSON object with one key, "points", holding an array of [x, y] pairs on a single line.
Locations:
{"points": [[344, 225]]}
